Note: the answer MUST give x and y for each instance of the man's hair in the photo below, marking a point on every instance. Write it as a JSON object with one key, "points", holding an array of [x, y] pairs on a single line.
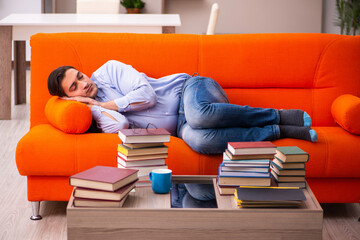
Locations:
{"points": [[55, 79]]}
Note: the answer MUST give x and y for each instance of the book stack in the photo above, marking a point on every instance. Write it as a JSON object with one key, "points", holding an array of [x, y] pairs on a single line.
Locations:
{"points": [[102, 186], [252, 197], [245, 164], [144, 150], [288, 167]]}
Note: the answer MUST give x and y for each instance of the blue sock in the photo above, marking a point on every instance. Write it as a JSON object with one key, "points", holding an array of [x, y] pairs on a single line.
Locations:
{"points": [[304, 133], [307, 120]]}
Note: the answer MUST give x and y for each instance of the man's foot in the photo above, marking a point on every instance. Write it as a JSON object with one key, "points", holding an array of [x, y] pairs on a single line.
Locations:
{"points": [[304, 133], [294, 117]]}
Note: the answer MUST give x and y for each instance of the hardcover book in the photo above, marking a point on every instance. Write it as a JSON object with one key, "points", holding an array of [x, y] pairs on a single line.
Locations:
{"points": [[244, 181], [104, 195], [226, 159], [288, 172], [143, 145], [268, 197], [145, 170], [226, 190], [144, 135], [85, 202], [142, 157], [291, 154], [140, 163], [280, 165], [269, 194], [292, 184], [288, 178], [248, 148], [244, 164], [243, 174], [248, 156], [104, 178], [141, 151], [255, 169]]}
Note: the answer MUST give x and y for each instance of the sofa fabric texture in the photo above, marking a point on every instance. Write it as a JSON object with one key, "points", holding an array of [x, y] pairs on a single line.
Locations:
{"points": [[283, 71]]}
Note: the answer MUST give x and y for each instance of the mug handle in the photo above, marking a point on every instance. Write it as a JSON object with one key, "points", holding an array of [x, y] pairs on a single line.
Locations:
{"points": [[150, 176]]}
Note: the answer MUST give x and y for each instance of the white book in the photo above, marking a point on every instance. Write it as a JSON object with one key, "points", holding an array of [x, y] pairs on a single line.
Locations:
{"points": [[140, 163]]}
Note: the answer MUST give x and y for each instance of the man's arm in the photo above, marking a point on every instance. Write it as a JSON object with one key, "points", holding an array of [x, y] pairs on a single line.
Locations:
{"points": [[92, 102], [137, 93], [109, 121]]}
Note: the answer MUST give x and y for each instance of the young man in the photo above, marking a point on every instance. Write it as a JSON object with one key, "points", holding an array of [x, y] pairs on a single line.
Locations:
{"points": [[195, 109]]}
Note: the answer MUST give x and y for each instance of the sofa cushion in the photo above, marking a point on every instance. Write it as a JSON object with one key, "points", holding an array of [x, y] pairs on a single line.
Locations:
{"points": [[47, 151], [346, 112], [68, 116], [66, 154]]}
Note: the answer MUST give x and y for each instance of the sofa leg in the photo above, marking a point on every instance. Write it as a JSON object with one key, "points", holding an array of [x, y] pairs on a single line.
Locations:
{"points": [[35, 211]]}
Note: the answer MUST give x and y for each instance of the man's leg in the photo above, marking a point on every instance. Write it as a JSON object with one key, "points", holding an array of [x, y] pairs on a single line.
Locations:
{"points": [[207, 106], [199, 196], [214, 140]]}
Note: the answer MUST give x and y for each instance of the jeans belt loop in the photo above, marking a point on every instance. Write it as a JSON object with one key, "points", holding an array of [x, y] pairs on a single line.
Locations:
{"points": [[195, 74]]}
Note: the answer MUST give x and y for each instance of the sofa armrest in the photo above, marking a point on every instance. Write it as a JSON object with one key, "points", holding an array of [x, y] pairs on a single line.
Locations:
{"points": [[68, 116], [346, 112]]}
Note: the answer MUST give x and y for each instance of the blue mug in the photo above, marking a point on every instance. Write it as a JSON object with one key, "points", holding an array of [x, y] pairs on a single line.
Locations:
{"points": [[161, 180]]}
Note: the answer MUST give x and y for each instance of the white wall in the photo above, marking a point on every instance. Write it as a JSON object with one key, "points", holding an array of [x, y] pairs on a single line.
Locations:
{"points": [[19, 6], [329, 17], [8, 7], [249, 16]]}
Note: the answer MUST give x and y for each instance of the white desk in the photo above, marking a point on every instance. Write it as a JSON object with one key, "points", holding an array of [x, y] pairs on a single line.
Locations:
{"points": [[19, 28]]}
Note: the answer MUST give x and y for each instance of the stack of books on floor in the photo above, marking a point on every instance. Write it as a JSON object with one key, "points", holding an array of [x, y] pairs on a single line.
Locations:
{"points": [[288, 167], [252, 197], [245, 164], [144, 150], [102, 186]]}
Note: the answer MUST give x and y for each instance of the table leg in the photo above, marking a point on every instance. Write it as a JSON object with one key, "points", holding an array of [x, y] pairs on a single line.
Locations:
{"points": [[20, 71], [5, 71], [168, 29]]}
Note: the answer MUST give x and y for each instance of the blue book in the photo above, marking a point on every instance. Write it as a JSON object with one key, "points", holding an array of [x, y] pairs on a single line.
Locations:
{"points": [[243, 174], [260, 162], [243, 179], [249, 168]]}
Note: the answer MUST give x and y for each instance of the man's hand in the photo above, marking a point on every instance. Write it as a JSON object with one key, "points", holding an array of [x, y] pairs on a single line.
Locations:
{"points": [[92, 102], [88, 101]]}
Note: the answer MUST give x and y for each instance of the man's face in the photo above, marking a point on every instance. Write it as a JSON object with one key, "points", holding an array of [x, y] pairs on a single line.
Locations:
{"points": [[77, 84]]}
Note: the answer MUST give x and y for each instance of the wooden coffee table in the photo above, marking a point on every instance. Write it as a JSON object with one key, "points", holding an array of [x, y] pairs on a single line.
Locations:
{"points": [[146, 215]]}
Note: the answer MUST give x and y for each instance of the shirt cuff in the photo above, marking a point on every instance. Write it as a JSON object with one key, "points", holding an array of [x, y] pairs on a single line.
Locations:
{"points": [[122, 103]]}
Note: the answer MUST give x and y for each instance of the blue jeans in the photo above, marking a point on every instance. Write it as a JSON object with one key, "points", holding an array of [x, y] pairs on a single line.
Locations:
{"points": [[207, 121], [192, 195]]}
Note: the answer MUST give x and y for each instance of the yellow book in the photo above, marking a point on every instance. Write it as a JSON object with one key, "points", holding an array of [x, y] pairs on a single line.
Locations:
{"points": [[141, 151]]}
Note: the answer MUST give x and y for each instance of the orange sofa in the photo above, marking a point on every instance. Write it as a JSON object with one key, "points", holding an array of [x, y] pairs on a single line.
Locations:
{"points": [[312, 72]]}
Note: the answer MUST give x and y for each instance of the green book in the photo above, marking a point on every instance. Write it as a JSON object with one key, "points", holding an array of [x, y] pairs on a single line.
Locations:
{"points": [[280, 165], [291, 154], [288, 172]]}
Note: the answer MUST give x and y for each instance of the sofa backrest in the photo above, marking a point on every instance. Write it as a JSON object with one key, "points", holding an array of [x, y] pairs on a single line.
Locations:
{"points": [[305, 71]]}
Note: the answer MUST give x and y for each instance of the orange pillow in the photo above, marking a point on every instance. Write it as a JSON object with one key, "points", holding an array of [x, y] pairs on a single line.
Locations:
{"points": [[346, 112], [68, 116]]}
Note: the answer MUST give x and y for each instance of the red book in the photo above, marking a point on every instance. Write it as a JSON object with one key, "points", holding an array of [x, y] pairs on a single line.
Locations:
{"points": [[80, 192], [251, 148], [144, 135], [104, 178], [85, 202]]}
